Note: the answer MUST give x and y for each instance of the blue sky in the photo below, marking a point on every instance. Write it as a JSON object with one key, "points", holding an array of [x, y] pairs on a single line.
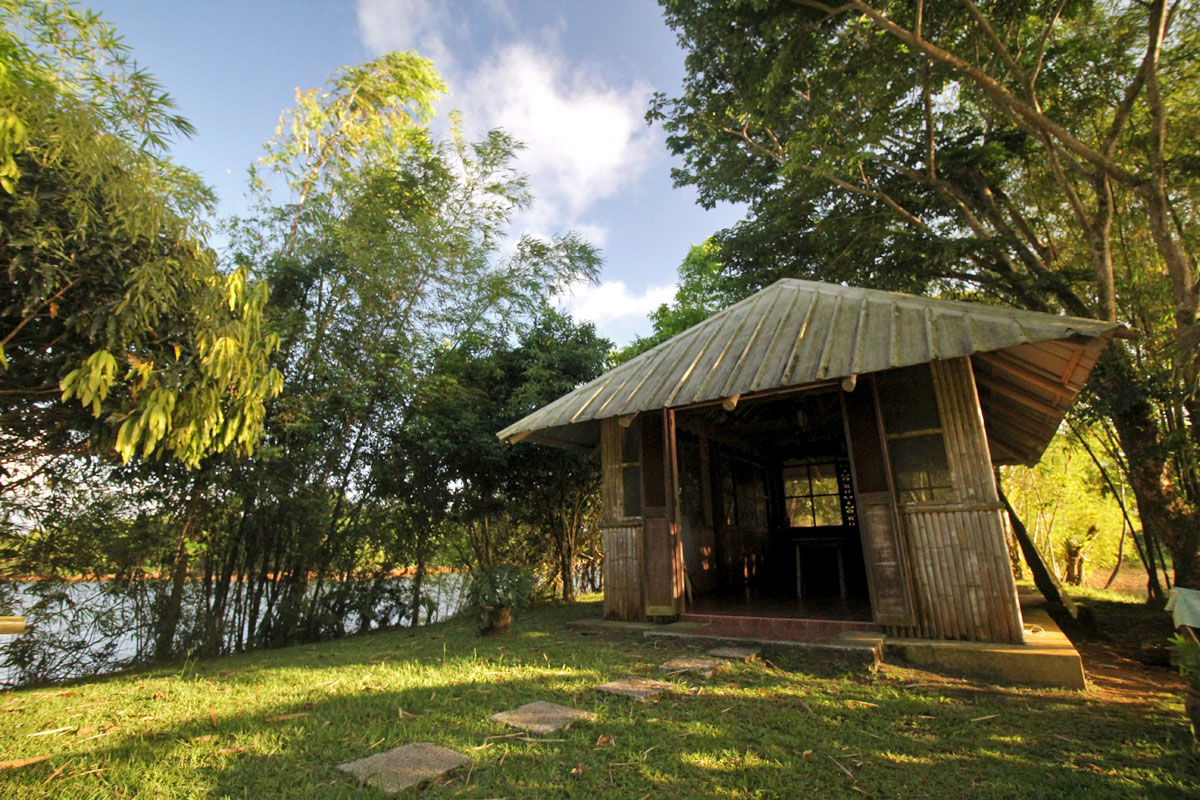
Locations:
{"points": [[570, 79]]}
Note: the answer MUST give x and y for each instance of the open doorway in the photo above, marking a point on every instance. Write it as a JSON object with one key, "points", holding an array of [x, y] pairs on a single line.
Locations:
{"points": [[767, 514]]}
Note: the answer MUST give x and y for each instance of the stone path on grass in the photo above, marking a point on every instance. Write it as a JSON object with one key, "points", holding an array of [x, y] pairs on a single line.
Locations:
{"points": [[734, 653], [635, 687], [704, 667], [419, 762], [405, 766], [542, 717]]}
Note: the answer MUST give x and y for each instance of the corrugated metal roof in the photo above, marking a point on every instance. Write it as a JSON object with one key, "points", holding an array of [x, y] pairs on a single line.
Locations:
{"points": [[796, 333]]}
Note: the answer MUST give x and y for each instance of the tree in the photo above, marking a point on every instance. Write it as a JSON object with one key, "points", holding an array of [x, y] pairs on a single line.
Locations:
{"points": [[555, 490], [384, 262], [117, 331], [1034, 153], [528, 504]]}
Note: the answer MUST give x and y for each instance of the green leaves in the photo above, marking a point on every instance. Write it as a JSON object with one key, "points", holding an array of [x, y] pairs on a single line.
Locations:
{"points": [[369, 117], [91, 382], [112, 299]]}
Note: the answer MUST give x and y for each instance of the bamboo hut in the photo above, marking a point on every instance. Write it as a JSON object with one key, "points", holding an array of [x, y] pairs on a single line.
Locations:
{"points": [[824, 452]]}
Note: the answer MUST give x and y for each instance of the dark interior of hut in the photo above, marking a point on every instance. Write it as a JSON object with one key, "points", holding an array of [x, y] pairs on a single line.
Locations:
{"points": [[767, 511]]}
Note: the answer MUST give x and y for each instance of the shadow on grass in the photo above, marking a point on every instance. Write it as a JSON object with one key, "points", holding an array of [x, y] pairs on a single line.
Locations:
{"points": [[751, 731]]}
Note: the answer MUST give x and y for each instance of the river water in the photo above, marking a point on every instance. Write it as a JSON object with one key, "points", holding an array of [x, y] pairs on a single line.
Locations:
{"points": [[90, 631]]}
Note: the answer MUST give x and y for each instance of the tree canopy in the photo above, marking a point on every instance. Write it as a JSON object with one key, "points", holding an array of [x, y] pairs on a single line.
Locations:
{"points": [[1038, 154], [118, 331]]}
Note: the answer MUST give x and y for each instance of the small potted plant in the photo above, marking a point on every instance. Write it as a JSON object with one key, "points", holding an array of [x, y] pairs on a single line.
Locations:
{"points": [[495, 590], [1185, 654]]}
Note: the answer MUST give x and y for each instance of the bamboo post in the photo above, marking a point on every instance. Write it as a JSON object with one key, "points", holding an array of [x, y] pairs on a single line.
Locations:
{"points": [[12, 624]]}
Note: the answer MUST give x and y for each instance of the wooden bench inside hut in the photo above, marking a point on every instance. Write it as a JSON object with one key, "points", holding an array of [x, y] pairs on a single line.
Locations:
{"points": [[821, 453]]}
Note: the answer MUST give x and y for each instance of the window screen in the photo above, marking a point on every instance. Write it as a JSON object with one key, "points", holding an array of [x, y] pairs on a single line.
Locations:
{"points": [[631, 470], [914, 436]]}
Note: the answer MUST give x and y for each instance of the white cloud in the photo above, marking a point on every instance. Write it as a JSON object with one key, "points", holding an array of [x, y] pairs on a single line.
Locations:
{"points": [[618, 313], [585, 139], [419, 25]]}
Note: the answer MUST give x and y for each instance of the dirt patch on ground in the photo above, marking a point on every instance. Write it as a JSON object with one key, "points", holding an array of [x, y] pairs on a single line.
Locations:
{"points": [[1123, 647]]}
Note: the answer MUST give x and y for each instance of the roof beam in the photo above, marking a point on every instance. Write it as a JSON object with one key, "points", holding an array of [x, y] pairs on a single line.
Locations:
{"points": [[991, 385], [1013, 366]]}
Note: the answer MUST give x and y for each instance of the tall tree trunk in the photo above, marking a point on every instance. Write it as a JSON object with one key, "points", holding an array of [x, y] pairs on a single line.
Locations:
{"points": [[418, 579], [172, 612], [1165, 513]]}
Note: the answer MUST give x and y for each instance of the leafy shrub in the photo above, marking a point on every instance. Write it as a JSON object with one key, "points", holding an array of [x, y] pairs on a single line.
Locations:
{"points": [[500, 586]]}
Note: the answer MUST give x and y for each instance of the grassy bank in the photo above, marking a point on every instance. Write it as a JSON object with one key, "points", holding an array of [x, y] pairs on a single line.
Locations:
{"points": [[274, 724]]}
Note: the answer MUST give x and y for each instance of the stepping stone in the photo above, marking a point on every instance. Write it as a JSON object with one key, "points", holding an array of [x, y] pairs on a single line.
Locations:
{"points": [[704, 667], [542, 717], [635, 687], [404, 766], [735, 653]]}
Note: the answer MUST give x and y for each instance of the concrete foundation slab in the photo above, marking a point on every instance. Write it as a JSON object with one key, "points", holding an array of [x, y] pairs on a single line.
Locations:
{"points": [[851, 651], [618, 626], [1046, 659]]}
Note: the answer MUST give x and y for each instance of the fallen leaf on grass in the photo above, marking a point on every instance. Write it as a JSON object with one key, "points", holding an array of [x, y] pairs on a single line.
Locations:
{"points": [[603, 740], [53, 732], [863, 703], [283, 717], [578, 771], [843, 769], [208, 737], [22, 762], [58, 771], [225, 751], [212, 716]]}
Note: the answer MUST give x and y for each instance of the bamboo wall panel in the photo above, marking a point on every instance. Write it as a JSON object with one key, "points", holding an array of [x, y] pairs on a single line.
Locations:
{"points": [[962, 579], [610, 470], [958, 592], [884, 559], [884, 553], [623, 573], [662, 568]]}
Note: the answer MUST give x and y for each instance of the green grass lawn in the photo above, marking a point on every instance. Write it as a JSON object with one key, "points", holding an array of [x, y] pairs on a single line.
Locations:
{"points": [[275, 724]]}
